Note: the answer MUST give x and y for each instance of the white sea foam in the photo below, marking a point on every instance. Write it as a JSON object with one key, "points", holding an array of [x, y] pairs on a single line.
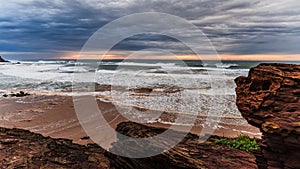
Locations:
{"points": [[199, 84]]}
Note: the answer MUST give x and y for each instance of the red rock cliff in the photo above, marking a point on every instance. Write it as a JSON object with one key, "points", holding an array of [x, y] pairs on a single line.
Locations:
{"points": [[269, 98]]}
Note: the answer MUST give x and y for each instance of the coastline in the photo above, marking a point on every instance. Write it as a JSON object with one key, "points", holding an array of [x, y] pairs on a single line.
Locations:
{"points": [[54, 116]]}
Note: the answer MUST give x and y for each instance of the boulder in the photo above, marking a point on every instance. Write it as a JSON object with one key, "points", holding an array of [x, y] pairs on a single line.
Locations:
{"points": [[2, 60], [269, 98]]}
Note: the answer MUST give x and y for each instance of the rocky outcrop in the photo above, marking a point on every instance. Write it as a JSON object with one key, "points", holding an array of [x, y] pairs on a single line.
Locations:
{"points": [[188, 154], [24, 149], [269, 98], [20, 94], [2, 60]]}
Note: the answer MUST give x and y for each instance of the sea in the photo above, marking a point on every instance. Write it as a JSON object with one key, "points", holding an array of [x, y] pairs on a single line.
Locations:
{"points": [[200, 85]]}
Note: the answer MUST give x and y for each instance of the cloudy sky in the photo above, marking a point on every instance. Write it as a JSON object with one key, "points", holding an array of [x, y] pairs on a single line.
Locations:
{"points": [[257, 29]]}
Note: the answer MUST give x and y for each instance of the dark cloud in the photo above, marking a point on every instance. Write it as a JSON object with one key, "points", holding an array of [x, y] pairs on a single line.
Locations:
{"points": [[54, 27], [145, 41]]}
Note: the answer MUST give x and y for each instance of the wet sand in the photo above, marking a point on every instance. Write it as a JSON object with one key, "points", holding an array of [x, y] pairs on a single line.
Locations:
{"points": [[55, 116]]}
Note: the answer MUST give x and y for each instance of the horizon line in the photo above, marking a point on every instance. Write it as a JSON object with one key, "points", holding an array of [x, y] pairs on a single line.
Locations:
{"points": [[51, 59]]}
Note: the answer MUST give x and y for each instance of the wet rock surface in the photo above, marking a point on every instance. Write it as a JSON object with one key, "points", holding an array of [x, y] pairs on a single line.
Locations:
{"points": [[269, 98], [23, 149], [102, 87], [18, 94], [155, 90]]}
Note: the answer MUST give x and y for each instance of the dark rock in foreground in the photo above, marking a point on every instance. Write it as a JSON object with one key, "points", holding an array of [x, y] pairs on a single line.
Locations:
{"points": [[188, 154], [269, 98], [2, 60], [23, 149]]}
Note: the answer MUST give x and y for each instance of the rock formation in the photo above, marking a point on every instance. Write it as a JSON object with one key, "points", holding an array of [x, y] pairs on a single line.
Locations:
{"points": [[269, 98], [188, 154], [2, 60], [20, 94], [23, 149]]}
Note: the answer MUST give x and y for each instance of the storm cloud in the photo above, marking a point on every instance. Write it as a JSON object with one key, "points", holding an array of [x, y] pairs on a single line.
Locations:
{"points": [[47, 29]]}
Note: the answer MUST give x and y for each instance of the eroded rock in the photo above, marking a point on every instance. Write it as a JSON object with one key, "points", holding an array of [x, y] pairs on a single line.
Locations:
{"points": [[269, 98]]}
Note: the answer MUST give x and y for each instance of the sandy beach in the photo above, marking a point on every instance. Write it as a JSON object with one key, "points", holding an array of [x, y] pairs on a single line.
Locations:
{"points": [[55, 116]]}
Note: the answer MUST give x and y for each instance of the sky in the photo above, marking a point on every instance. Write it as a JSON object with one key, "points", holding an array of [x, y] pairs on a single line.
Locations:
{"points": [[238, 29]]}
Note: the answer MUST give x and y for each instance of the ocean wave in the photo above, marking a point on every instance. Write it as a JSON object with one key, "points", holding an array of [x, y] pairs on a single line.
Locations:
{"points": [[224, 65], [198, 85]]}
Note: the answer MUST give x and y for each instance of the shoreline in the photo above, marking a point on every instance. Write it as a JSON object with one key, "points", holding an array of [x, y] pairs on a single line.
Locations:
{"points": [[54, 116]]}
